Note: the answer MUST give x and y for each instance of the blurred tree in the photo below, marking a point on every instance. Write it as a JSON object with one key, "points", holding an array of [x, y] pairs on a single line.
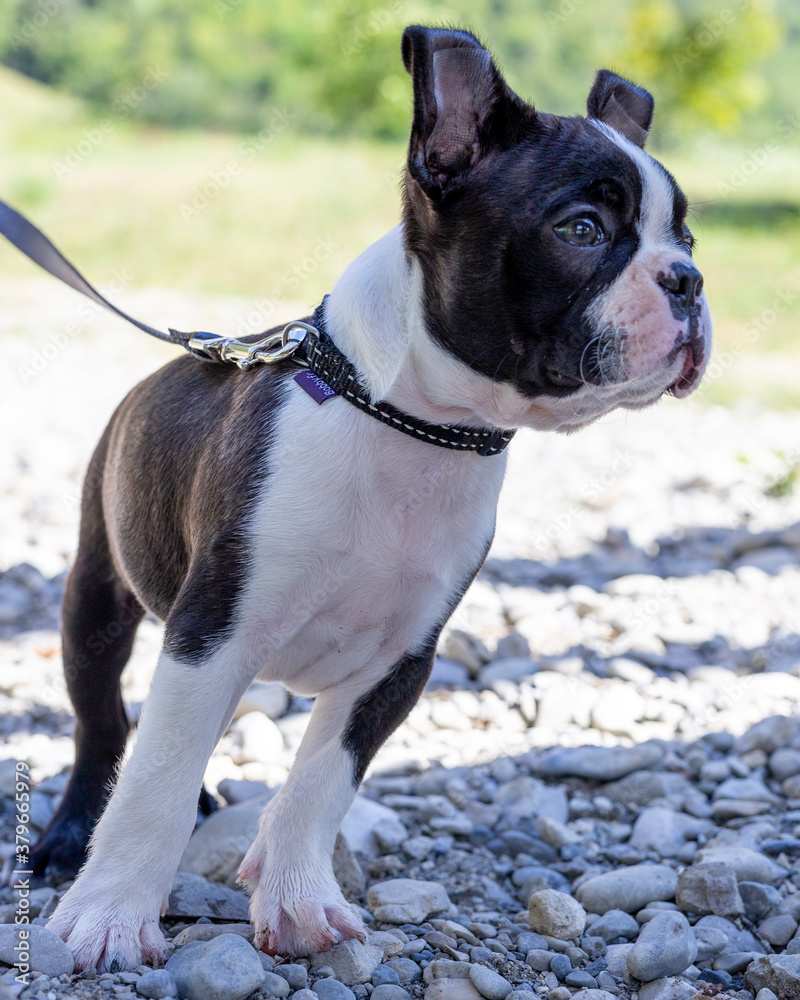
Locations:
{"points": [[334, 65], [703, 60]]}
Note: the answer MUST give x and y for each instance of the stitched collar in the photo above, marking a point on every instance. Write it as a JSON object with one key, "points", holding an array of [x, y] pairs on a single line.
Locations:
{"points": [[327, 362]]}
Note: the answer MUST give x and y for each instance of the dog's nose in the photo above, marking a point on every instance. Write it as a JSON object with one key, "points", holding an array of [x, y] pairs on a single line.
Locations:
{"points": [[683, 283]]}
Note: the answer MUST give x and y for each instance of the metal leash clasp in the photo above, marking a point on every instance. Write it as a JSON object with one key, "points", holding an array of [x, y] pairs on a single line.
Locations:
{"points": [[269, 351]]}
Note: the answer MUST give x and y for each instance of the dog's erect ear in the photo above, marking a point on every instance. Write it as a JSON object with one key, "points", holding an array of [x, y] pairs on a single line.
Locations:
{"points": [[622, 105], [461, 104]]}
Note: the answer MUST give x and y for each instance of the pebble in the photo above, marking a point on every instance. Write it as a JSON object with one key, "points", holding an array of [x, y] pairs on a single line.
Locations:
{"points": [[615, 924], [598, 763], [406, 901], [275, 986], [352, 962], [156, 984], [556, 914], [331, 989], [48, 953], [627, 889], [665, 947], [452, 989], [709, 887], [225, 968], [488, 983], [387, 991], [779, 973]]}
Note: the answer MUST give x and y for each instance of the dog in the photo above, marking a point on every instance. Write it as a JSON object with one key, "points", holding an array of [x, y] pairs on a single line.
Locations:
{"points": [[541, 277]]}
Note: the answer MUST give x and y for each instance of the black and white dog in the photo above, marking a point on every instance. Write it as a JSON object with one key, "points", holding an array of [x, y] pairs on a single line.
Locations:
{"points": [[541, 277]]}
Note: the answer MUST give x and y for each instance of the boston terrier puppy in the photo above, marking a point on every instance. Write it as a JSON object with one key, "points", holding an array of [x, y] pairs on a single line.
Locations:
{"points": [[541, 277]]}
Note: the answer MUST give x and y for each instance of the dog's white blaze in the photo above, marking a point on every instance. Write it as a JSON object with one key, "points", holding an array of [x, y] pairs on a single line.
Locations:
{"points": [[634, 303]]}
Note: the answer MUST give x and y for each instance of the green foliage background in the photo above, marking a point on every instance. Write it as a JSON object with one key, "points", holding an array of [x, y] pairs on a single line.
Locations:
{"points": [[334, 65]]}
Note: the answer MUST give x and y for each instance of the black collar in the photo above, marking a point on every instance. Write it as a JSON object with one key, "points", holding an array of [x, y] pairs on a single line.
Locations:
{"points": [[327, 362]]}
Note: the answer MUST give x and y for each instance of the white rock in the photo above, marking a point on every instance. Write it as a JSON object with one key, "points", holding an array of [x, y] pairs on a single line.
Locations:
{"points": [[271, 699], [406, 901], [556, 914], [255, 737], [627, 889]]}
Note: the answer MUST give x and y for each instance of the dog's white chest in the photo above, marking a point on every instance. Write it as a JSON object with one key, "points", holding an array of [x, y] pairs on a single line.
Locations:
{"points": [[361, 539]]}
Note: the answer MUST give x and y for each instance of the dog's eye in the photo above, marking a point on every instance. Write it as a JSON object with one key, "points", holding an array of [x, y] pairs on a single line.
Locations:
{"points": [[687, 238], [582, 231]]}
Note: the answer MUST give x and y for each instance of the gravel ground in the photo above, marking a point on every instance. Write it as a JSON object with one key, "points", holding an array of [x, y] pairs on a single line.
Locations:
{"points": [[599, 793]]}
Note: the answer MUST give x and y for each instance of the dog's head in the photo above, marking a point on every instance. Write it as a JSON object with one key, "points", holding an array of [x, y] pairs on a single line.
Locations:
{"points": [[554, 251]]}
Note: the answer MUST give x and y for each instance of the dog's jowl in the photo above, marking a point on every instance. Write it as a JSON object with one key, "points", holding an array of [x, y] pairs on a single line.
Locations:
{"points": [[542, 276]]}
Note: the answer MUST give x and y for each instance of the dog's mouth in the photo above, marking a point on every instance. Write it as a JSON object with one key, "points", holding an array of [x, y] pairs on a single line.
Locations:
{"points": [[692, 369]]}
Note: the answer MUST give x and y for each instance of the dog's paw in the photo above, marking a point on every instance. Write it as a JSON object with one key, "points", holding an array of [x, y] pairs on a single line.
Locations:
{"points": [[107, 938], [297, 915]]}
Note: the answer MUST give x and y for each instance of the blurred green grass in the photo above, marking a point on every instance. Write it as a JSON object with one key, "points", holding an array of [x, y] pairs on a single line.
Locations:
{"points": [[206, 212]]}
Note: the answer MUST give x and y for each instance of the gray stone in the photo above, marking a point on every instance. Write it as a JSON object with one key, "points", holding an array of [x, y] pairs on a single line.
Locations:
{"points": [[599, 763], [489, 983], [778, 930], [669, 988], [750, 789], [205, 932], [758, 899], [710, 942], [539, 959], [194, 896], [665, 947], [561, 965], [771, 734], [580, 978], [226, 968], [452, 989], [749, 865], [274, 985], [352, 961], [406, 969], [709, 887], [295, 975], [406, 901], [331, 989], [784, 763], [627, 889], [779, 973], [358, 826], [346, 869], [739, 940], [665, 831], [765, 994], [556, 914], [389, 991], [157, 984], [47, 952], [615, 924], [617, 959], [734, 962]]}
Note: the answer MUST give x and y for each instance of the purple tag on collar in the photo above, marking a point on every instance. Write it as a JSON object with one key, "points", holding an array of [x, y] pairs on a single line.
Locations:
{"points": [[314, 386]]}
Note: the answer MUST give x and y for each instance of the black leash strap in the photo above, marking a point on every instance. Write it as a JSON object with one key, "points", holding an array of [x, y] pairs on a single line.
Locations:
{"points": [[300, 343], [34, 244]]}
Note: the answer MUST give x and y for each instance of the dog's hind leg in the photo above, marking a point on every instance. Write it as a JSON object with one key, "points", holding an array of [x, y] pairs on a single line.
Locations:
{"points": [[99, 620], [297, 907]]}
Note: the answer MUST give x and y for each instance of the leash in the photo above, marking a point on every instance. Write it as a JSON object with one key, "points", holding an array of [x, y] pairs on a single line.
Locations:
{"points": [[327, 373]]}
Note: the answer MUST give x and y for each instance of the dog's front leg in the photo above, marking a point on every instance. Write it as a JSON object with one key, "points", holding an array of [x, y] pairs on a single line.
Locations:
{"points": [[109, 917], [297, 907]]}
